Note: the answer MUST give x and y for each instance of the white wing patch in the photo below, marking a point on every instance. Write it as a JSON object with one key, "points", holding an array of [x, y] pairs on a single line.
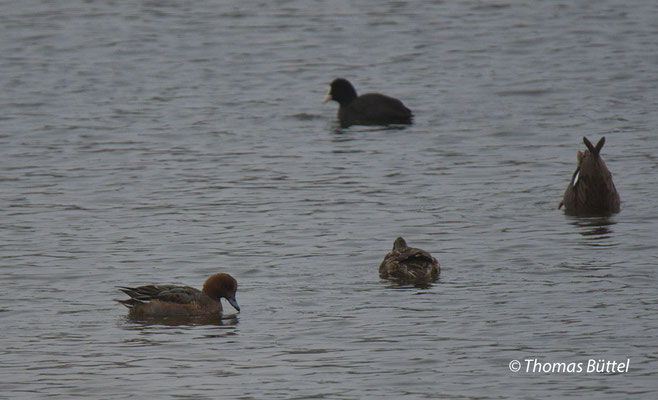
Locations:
{"points": [[576, 177]]}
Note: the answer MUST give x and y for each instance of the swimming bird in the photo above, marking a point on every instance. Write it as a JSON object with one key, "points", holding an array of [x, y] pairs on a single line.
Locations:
{"points": [[591, 190], [367, 109], [408, 264], [182, 301]]}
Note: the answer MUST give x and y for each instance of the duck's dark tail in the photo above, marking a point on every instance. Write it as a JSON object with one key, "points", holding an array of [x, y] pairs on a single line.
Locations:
{"points": [[136, 296], [130, 303]]}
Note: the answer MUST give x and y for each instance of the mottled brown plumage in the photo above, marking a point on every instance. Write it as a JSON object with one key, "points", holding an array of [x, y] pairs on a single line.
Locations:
{"points": [[591, 190], [408, 264]]}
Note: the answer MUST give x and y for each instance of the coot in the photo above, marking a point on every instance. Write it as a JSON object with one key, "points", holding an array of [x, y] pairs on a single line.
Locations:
{"points": [[367, 109]]}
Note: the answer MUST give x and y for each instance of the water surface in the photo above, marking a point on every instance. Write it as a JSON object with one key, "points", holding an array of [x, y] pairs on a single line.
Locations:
{"points": [[159, 142]]}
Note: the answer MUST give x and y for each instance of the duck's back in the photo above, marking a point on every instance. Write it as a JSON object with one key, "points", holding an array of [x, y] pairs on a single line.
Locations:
{"points": [[593, 196], [167, 293], [409, 264], [169, 300], [591, 190]]}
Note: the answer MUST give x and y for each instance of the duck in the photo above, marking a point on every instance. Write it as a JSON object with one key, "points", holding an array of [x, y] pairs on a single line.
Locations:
{"points": [[181, 301], [408, 264], [367, 109], [591, 190]]}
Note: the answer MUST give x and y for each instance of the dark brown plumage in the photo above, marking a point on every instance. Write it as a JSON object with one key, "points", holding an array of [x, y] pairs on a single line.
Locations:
{"points": [[591, 190], [408, 264]]}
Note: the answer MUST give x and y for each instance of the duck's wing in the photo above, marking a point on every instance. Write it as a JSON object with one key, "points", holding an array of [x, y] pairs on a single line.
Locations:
{"points": [[166, 293]]}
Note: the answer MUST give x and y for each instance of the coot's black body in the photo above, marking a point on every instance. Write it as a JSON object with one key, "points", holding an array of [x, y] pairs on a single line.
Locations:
{"points": [[367, 109]]}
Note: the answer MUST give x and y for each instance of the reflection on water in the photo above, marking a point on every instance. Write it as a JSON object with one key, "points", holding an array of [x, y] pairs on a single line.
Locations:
{"points": [[338, 130], [594, 228], [218, 320], [401, 285]]}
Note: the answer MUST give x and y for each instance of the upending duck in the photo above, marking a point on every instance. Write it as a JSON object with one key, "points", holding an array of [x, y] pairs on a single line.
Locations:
{"points": [[367, 109], [181, 301], [408, 264], [591, 190]]}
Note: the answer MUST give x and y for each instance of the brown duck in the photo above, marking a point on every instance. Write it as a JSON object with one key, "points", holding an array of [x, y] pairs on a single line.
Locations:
{"points": [[181, 301], [591, 190], [408, 264]]}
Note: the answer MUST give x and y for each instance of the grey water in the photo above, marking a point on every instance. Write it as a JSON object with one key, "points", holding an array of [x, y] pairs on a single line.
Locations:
{"points": [[164, 141]]}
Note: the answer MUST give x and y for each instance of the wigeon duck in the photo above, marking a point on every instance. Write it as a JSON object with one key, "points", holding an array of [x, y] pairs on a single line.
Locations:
{"points": [[407, 264], [367, 109], [172, 300], [591, 190]]}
